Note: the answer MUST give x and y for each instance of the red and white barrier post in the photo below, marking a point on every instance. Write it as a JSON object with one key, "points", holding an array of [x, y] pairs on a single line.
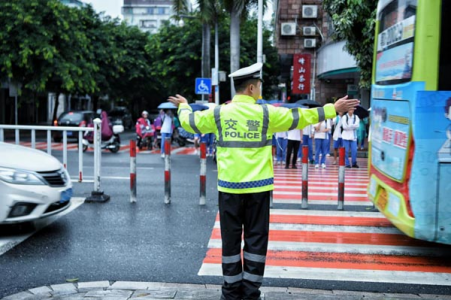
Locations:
{"points": [[132, 171], [167, 170], [341, 178], [304, 204], [97, 195], [203, 173]]}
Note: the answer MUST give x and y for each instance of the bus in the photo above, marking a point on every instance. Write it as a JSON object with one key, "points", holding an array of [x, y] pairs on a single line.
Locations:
{"points": [[410, 149]]}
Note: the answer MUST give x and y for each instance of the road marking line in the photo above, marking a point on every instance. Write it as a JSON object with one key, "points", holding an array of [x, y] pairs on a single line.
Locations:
{"points": [[343, 275], [348, 248], [299, 228], [323, 202]]}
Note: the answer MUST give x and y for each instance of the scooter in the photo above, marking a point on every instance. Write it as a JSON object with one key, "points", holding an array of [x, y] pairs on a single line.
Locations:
{"points": [[113, 144], [144, 137]]}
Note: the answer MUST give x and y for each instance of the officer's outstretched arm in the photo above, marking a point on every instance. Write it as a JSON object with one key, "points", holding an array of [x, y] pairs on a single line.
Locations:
{"points": [[196, 122], [283, 119]]}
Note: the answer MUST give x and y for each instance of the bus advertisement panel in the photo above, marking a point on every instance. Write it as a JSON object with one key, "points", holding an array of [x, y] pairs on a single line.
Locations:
{"points": [[410, 147]]}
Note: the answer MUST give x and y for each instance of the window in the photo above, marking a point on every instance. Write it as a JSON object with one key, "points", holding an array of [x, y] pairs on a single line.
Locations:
{"points": [[150, 11], [395, 42], [161, 10], [148, 24], [127, 10]]}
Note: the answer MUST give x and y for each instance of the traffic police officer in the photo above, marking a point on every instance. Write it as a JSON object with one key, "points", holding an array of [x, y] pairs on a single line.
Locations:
{"points": [[244, 132]]}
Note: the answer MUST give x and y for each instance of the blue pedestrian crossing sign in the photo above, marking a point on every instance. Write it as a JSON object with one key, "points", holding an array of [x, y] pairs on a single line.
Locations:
{"points": [[203, 86]]}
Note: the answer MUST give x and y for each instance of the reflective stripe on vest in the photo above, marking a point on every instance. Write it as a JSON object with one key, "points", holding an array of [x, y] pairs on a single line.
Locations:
{"points": [[243, 144], [245, 185], [192, 123], [295, 123]]}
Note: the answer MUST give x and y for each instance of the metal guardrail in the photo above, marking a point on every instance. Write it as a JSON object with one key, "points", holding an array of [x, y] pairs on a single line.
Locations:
{"points": [[49, 129], [97, 194]]}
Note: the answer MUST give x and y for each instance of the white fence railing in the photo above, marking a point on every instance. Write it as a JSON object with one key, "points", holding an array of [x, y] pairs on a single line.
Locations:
{"points": [[49, 129]]}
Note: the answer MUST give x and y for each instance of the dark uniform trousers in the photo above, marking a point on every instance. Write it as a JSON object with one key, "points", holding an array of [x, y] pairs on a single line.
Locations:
{"points": [[248, 213]]}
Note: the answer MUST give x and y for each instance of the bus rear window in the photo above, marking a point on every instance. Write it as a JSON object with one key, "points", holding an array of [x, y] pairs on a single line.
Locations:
{"points": [[395, 41]]}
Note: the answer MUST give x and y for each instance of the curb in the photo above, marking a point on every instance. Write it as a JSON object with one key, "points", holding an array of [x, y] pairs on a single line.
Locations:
{"points": [[129, 290]]}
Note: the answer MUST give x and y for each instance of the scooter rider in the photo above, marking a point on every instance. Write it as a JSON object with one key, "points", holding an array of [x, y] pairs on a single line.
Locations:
{"points": [[143, 126]]}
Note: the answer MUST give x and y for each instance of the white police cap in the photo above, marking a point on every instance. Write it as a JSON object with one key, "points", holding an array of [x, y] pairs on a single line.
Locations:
{"points": [[248, 72]]}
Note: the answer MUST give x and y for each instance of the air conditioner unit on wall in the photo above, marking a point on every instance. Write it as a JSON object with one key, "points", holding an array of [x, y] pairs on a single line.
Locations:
{"points": [[288, 28], [309, 30], [309, 43], [310, 11]]}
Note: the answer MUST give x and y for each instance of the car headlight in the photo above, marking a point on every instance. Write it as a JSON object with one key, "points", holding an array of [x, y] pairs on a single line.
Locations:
{"points": [[19, 177]]}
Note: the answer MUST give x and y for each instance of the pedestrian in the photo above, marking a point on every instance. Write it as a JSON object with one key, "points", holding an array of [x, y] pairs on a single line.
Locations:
{"points": [[338, 141], [294, 141], [166, 128], [307, 140], [321, 142], [281, 146], [244, 132], [350, 124], [362, 133]]}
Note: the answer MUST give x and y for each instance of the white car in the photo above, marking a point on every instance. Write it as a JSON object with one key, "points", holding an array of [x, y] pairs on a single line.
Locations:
{"points": [[33, 184]]}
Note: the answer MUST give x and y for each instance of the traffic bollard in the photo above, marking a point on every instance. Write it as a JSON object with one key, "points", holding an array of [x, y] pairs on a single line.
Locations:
{"points": [[203, 173], [97, 195], [132, 171], [80, 156], [304, 204], [167, 170], [341, 178]]}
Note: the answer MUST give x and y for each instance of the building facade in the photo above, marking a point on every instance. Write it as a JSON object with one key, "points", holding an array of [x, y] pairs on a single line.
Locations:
{"points": [[148, 15], [73, 3], [303, 30]]}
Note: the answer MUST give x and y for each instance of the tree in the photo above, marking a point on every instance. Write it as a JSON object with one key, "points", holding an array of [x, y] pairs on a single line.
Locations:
{"points": [[208, 12], [44, 47], [354, 22]]}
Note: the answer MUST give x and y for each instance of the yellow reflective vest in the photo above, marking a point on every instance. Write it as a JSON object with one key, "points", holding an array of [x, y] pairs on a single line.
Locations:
{"points": [[244, 132]]}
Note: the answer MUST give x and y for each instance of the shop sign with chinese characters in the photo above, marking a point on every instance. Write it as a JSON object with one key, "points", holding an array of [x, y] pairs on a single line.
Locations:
{"points": [[301, 73]]}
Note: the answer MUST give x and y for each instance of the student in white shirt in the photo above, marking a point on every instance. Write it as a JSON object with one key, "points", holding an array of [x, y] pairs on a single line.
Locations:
{"points": [[338, 141], [350, 123], [294, 141], [321, 142]]}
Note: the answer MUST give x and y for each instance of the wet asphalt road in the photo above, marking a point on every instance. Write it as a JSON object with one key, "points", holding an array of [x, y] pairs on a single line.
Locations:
{"points": [[146, 241]]}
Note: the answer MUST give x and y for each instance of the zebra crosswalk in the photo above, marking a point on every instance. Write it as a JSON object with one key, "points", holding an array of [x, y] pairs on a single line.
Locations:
{"points": [[347, 245]]}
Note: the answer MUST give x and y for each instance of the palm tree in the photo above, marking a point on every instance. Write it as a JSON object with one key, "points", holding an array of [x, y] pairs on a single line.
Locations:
{"points": [[238, 10]]}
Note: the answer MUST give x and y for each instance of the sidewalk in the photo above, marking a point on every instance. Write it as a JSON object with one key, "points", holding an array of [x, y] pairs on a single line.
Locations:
{"points": [[127, 290]]}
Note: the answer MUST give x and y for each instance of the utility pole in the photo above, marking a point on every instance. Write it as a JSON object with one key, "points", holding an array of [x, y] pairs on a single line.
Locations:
{"points": [[260, 38]]}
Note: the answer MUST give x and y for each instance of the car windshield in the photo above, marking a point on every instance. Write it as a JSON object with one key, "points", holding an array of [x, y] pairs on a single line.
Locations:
{"points": [[71, 117]]}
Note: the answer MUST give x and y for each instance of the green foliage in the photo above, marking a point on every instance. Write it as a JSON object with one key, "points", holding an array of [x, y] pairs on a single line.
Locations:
{"points": [[354, 22], [49, 47]]}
